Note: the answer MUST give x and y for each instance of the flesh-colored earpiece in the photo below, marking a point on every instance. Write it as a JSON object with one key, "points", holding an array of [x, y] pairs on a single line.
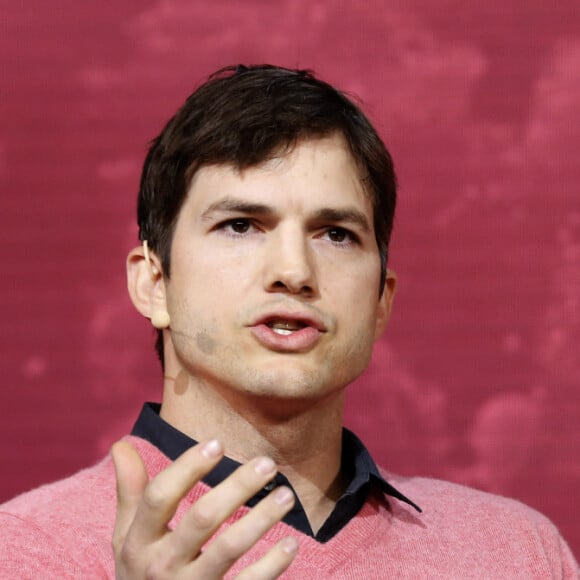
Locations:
{"points": [[152, 268], [160, 319]]}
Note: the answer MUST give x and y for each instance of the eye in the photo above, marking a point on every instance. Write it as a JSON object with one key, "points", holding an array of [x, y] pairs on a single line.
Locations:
{"points": [[338, 235], [235, 226], [239, 226]]}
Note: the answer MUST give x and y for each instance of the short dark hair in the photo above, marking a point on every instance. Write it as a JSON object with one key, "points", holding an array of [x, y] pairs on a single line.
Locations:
{"points": [[242, 116]]}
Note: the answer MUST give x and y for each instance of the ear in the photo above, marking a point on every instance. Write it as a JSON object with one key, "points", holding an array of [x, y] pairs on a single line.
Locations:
{"points": [[385, 304], [146, 285]]}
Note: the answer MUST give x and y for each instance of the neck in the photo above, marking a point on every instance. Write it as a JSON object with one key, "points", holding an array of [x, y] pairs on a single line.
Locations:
{"points": [[305, 440]]}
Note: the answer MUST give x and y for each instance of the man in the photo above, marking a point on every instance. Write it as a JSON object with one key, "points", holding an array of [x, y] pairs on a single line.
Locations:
{"points": [[265, 211]]}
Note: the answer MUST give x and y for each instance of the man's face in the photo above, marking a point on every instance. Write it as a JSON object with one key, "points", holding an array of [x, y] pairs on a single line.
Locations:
{"points": [[275, 277]]}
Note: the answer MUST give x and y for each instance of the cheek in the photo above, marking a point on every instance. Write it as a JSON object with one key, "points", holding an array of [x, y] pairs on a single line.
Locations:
{"points": [[192, 317], [360, 313], [357, 273], [195, 336], [222, 279], [205, 342], [355, 292]]}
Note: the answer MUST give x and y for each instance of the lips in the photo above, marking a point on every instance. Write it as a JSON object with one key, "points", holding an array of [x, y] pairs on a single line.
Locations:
{"points": [[288, 332]]}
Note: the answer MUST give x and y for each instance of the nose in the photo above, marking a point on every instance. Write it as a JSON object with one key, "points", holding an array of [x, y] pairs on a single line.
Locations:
{"points": [[289, 265]]}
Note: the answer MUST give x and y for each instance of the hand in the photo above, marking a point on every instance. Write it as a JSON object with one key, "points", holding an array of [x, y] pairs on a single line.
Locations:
{"points": [[145, 547]]}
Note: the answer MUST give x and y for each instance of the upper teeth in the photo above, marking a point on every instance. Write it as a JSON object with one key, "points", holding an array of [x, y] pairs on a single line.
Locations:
{"points": [[285, 326], [284, 331]]}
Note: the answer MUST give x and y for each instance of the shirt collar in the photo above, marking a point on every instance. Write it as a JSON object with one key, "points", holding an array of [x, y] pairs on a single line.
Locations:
{"points": [[365, 469], [356, 460]]}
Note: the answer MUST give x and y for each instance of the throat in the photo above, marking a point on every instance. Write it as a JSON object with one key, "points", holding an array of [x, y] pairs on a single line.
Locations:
{"points": [[318, 504]]}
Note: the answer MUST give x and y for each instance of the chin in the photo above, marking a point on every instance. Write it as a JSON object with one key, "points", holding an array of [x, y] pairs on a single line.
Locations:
{"points": [[291, 383]]}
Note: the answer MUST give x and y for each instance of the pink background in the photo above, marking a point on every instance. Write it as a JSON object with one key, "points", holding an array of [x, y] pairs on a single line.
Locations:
{"points": [[477, 378]]}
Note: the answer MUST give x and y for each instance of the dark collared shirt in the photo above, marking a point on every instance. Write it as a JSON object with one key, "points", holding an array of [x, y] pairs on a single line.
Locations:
{"points": [[357, 463]]}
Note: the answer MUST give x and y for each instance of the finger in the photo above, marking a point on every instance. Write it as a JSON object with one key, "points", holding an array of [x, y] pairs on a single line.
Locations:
{"points": [[132, 479], [235, 541], [164, 492], [276, 560], [211, 510]]}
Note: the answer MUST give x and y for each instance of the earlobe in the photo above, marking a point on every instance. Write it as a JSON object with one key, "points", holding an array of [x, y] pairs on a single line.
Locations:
{"points": [[146, 286], [386, 304]]}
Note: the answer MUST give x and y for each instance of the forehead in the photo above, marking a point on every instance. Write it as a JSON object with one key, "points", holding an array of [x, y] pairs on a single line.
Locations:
{"points": [[315, 172]]}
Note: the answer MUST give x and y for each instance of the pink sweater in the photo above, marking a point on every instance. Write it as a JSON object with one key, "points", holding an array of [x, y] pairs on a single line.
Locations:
{"points": [[64, 530]]}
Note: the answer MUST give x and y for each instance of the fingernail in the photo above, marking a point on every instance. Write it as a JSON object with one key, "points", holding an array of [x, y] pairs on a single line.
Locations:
{"points": [[265, 466], [289, 545], [283, 495], [212, 449]]}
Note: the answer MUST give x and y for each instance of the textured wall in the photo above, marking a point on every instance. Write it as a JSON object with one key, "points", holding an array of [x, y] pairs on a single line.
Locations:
{"points": [[477, 378]]}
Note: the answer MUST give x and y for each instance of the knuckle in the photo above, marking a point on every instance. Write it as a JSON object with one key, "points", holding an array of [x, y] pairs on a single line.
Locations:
{"points": [[264, 521], [203, 517], [128, 556], [117, 543], [137, 563], [268, 512], [154, 496], [156, 570], [229, 548], [261, 520]]}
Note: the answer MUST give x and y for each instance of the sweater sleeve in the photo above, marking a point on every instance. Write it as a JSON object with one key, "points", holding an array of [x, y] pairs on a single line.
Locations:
{"points": [[27, 551], [559, 554], [570, 568]]}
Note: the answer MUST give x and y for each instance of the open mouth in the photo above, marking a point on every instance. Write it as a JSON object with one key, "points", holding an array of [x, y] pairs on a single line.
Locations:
{"points": [[286, 327], [287, 332]]}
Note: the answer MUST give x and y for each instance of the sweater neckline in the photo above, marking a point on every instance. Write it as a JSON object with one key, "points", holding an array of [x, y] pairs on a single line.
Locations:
{"points": [[361, 531]]}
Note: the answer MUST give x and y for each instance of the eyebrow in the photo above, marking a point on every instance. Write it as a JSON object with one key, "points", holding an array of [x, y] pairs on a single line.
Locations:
{"points": [[344, 215], [237, 206], [348, 215]]}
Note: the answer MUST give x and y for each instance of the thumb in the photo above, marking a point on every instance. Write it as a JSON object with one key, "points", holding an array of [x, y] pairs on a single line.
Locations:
{"points": [[132, 479]]}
